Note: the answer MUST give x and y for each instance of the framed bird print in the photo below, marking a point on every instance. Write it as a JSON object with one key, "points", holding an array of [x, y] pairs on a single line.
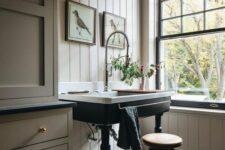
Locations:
{"points": [[112, 23], [80, 23]]}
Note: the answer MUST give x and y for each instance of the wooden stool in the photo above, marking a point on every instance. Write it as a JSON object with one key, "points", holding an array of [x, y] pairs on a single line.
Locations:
{"points": [[162, 141]]}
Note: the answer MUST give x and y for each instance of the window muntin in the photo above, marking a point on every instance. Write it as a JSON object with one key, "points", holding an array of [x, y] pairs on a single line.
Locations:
{"points": [[192, 50], [189, 11]]}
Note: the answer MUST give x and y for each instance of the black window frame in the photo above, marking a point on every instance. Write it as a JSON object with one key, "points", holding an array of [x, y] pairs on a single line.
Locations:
{"points": [[160, 37]]}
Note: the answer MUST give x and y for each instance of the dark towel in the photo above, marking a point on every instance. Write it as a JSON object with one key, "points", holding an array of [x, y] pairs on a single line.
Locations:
{"points": [[129, 130]]}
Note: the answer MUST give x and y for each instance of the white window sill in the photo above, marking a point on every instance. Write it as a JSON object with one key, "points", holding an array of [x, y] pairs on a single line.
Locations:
{"points": [[202, 111]]}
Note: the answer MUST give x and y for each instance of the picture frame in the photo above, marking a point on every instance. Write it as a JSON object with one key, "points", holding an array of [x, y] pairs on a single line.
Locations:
{"points": [[80, 23], [111, 23]]}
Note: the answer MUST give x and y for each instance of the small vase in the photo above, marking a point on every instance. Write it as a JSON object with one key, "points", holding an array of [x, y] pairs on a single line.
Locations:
{"points": [[142, 83]]}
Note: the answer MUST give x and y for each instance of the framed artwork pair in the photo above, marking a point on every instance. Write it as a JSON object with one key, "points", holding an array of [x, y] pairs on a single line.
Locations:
{"points": [[81, 25]]}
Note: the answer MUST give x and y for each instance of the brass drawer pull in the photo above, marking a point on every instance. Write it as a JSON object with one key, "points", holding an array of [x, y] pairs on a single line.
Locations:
{"points": [[42, 130]]}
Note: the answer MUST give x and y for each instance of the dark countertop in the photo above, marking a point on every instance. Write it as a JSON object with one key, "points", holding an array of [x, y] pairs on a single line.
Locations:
{"points": [[5, 110]]}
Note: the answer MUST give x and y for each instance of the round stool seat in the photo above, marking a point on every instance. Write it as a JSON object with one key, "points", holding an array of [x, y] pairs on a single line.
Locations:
{"points": [[162, 140]]}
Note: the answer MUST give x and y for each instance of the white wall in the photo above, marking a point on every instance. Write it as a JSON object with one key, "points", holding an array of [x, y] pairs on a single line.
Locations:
{"points": [[80, 64]]}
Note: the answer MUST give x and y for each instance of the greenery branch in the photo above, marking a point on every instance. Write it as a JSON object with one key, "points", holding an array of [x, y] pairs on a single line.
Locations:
{"points": [[133, 71]]}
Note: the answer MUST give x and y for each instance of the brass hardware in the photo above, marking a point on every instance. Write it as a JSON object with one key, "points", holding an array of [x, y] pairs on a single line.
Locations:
{"points": [[213, 105], [42, 130]]}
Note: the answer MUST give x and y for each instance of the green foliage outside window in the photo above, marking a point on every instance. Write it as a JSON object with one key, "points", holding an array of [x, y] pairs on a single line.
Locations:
{"points": [[194, 62]]}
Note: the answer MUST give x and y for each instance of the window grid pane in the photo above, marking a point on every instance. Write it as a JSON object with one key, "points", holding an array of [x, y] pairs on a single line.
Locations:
{"points": [[192, 6], [182, 14]]}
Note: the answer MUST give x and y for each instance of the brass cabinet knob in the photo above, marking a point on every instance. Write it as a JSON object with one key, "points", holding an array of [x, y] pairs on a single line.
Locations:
{"points": [[42, 130]]}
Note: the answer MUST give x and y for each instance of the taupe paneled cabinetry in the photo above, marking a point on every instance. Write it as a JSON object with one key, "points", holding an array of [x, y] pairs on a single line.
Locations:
{"points": [[31, 117], [49, 129], [28, 67]]}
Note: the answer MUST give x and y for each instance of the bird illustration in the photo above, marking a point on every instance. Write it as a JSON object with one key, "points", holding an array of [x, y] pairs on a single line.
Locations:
{"points": [[80, 23], [114, 28]]}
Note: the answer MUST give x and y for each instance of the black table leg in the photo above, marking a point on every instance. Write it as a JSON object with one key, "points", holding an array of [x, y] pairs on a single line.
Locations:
{"points": [[105, 137], [158, 128]]}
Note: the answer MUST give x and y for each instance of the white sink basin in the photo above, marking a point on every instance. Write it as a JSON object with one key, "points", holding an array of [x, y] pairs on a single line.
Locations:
{"points": [[114, 96]]}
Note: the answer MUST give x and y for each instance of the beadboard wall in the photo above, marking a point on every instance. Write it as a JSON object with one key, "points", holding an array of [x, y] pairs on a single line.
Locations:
{"points": [[200, 129], [81, 64]]}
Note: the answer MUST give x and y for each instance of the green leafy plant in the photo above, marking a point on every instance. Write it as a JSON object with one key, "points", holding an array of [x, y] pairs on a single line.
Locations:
{"points": [[133, 70]]}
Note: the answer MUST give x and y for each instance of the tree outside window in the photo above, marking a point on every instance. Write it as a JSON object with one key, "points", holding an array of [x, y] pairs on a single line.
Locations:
{"points": [[192, 45]]}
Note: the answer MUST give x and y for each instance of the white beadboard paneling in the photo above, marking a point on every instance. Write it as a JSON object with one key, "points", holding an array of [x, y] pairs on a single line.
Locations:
{"points": [[116, 52], [101, 50], [193, 132], [217, 137], [183, 129], [165, 122], [94, 50], [74, 62], [147, 125], [85, 63], [85, 56], [223, 134], [173, 123], [109, 8], [129, 28], [200, 130], [204, 133], [136, 29], [63, 51], [120, 10]]}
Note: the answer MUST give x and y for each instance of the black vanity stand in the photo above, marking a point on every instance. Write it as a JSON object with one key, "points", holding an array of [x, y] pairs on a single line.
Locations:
{"points": [[158, 127], [105, 132], [105, 129]]}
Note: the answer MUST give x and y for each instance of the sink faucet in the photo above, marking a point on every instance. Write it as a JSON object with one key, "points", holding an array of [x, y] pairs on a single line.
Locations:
{"points": [[106, 83]]}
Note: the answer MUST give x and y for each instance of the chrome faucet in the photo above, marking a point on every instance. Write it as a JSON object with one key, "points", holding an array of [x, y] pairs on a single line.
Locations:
{"points": [[106, 83]]}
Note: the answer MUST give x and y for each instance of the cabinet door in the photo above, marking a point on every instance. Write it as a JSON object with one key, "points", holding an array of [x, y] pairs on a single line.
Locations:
{"points": [[60, 147], [40, 147], [26, 49]]}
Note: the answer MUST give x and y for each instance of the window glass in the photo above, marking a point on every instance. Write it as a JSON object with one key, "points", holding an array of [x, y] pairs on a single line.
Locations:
{"points": [[171, 8], [172, 26], [192, 6], [193, 23], [195, 67], [211, 4], [215, 19], [192, 51]]}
